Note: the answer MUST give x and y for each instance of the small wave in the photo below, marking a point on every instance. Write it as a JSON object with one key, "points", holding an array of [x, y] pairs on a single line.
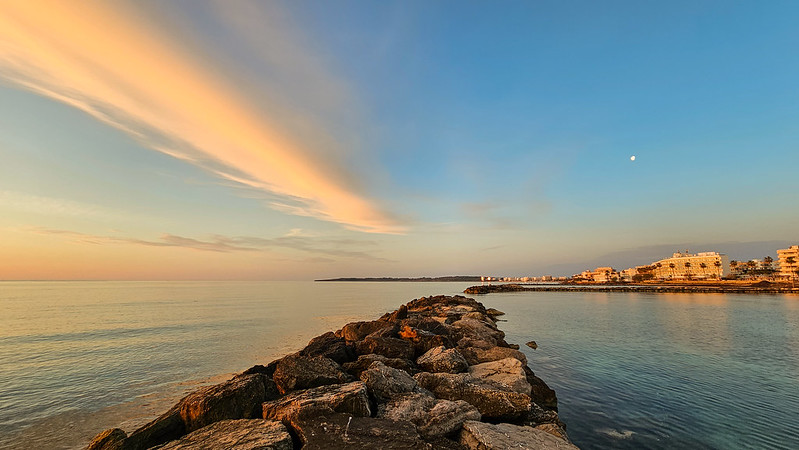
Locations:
{"points": [[624, 434]]}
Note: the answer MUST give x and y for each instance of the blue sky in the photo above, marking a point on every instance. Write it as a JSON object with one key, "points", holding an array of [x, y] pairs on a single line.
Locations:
{"points": [[298, 140]]}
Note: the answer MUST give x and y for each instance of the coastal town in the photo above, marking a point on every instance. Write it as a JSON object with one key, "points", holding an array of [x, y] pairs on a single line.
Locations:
{"points": [[685, 267]]}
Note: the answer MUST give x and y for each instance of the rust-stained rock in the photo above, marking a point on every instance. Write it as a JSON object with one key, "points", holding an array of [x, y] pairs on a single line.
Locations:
{"points": [[295, 372], [242, 434], [441, 359], [485, 436]]}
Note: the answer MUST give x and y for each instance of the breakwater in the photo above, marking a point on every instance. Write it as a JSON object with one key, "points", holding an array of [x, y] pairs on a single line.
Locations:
{"points": [[756, 288], [435, 373]]}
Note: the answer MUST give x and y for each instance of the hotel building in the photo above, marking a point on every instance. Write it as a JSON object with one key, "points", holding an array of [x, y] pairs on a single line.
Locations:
{"points": [[700, 266], [789, 261]]}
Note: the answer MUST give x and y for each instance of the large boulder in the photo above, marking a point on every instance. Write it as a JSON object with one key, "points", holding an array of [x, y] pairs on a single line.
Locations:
{"points": [[507, 373], [356, 331], [330, 346], [164, 428], [411, 407], [423, 340], [385, 382], [295, 372], [238, 398], [485, 436], [540, 392], [364, 361], [350, 398], [492, 401], [477, 355], [478, 329], [429, 324], [112, 439], [447, 417], [441, 359], [242, 434], [386, 346], [355, 433]]}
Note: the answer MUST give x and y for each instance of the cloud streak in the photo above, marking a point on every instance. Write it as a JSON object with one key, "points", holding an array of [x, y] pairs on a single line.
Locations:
{"points": [[105, 59], [323, 248]]}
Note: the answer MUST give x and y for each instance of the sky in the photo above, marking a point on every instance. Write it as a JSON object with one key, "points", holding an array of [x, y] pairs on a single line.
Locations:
{"points": [[245, 140]]}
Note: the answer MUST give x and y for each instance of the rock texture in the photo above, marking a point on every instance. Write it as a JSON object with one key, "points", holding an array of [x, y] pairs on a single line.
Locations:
{"points": [[486, 436], [421, 377], [242, 434]]}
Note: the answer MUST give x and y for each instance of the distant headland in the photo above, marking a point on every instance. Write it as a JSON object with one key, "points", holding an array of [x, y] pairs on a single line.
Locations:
{"points": [[455, 278]]}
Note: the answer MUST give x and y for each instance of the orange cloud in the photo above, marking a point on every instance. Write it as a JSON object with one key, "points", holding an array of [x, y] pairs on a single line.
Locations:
{"points": [[105, 60]]}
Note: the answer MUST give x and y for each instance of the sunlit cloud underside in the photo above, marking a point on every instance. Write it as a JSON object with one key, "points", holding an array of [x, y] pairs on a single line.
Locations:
{"points": [[102, 59]]}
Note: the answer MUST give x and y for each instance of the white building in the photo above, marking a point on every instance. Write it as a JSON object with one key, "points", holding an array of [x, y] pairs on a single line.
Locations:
{"points": [[701, 266], [789, 261]]}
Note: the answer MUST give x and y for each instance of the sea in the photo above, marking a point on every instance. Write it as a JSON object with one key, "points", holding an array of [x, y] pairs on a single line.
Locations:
{"points": [[631, 370]]}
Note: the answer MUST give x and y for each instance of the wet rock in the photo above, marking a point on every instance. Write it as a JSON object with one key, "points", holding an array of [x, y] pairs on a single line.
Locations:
{"points": [[355, 433], [296, 372], [440, 359], [356, 331], [112, 439], [532, 345], [386, 346], [385, 382], [242, 434], [364, 361], [346, 398], [508, 373], [238, 398], [540, 392], [475, 355], [329, 346], [494, 312], [492, 402], [485, 436], [166, 427]]}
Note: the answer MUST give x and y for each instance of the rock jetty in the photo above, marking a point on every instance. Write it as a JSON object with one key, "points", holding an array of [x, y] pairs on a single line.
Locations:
{"points": [[434, 374]]}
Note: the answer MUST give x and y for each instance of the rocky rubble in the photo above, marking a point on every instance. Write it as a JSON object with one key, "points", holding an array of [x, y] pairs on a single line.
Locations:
{"points": [[435, 373]]}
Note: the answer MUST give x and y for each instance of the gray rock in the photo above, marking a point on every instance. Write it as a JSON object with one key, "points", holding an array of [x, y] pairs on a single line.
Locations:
{"points": [[507, 373], [336, 431], [477, 329], [386, 382], [345, 398], [295, 372], [486, 436], [446, 417], [356, 331], [412, 407], [494, 312], [112, 439], [476, 355], [330, 346], [386, 346], [492, 401], [238, 398], [440, 359], [364, 361], [243, 434]]}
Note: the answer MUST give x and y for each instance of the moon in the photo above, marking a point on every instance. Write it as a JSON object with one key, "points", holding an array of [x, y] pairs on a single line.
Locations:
{"points": [[632, 158]]}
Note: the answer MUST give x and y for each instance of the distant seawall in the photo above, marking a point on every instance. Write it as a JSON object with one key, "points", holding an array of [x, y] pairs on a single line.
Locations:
{"points": [[435, 373], [756, 288]]}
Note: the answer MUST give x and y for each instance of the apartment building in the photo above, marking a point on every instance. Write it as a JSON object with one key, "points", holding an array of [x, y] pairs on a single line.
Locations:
{"points": [[789, 261], [703, 265]]}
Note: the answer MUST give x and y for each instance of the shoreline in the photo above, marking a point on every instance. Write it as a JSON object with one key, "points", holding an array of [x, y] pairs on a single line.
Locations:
{"points": [[649, 288], [435, 373]]}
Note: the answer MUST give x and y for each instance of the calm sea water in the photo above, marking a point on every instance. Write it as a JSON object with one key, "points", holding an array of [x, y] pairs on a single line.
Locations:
{"points": [[631, 370]]}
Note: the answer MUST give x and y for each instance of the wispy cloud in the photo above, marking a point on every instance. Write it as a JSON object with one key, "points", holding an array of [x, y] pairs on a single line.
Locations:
{"points": [[323, 248], [37, 204], [103, 58]]}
